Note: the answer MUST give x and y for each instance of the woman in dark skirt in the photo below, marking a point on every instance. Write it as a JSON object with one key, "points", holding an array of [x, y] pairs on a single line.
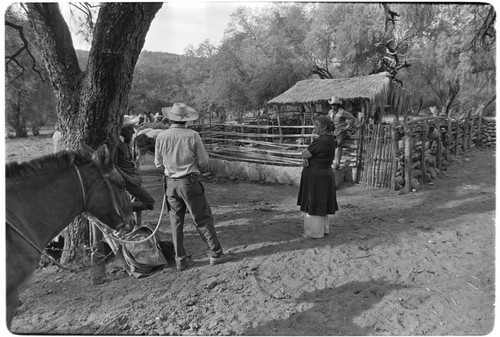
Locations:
{"points": [[317, 195]]}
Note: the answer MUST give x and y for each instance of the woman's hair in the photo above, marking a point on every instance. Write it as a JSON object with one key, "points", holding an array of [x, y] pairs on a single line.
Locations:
{"points": [[326, 122]]}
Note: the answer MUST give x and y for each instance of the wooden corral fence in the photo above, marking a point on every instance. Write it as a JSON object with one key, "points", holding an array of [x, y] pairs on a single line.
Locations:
{"points": [[263, 144], [379, 155], [426, 147], [417, 149]]}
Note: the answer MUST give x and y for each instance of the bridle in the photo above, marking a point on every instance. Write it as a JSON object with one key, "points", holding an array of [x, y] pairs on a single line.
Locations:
{"points": [[106, 177], [102, 226]]}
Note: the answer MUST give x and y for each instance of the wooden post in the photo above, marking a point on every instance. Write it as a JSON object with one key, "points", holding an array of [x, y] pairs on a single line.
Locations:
{"points": [[381, 169], [384, 158], [313, 110], [359, 153], [279, 126], [448, 140], [303, 130], [367, 157], [387, 157], [465, 140], [380, 156], [423, 148], [369, 153], [98, 269], [471, 131], [439, 159], [407, 157], [394, 152], [375, 155], [479, 126]]}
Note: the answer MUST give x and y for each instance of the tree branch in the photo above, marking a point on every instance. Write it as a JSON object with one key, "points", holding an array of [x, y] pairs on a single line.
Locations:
{"points": [[25, 47]]}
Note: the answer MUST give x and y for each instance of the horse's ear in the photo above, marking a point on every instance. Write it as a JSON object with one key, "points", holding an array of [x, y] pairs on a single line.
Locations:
{"points": [[86, 148], [103, 155]]}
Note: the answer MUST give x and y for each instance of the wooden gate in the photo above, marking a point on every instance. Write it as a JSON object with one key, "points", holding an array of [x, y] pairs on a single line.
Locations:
{"points": [[376, 164]]}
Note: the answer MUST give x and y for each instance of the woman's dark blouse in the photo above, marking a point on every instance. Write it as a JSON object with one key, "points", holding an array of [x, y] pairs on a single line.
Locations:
{"points": [[323, 151]]}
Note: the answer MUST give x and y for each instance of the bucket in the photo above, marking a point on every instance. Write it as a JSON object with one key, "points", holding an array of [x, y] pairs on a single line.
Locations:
{"points": [[316, 226]]}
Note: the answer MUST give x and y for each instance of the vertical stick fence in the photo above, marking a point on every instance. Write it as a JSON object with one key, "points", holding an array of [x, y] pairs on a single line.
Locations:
{"points": [[381, 155]]}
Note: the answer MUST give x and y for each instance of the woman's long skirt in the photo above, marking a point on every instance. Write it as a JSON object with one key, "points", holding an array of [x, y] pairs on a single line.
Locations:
{"points": [[317, 193]]}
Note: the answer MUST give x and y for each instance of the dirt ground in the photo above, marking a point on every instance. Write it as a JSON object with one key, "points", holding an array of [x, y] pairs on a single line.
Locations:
{"points": [[416, 264]]}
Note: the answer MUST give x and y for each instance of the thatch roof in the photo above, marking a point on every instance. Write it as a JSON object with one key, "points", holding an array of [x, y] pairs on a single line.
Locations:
{"points": [[379, 89]]}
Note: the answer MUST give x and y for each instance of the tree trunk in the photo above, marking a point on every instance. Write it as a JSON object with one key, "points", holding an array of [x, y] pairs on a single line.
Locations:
{"points": [[91, 104], [76, 236], [453, 90], [18, 122]]}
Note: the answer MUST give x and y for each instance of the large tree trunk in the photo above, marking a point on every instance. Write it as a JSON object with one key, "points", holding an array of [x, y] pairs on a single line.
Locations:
{"points": [[91, 104]]}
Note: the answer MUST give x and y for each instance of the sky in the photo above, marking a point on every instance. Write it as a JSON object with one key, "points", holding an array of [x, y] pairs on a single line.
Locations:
{"points": [[180, 24]]}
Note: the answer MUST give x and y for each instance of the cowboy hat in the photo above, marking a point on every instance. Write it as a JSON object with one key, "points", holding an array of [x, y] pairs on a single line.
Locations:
{"points": [[335, 100], [128, 120], [180, 112]]}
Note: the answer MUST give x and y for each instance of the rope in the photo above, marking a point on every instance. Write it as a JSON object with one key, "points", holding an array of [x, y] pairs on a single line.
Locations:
{"points": [[36, 247], [98, 224], [103, 227]]}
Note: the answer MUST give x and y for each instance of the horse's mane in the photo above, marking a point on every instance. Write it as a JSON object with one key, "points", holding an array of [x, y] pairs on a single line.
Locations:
{"points": [[59, 160]]}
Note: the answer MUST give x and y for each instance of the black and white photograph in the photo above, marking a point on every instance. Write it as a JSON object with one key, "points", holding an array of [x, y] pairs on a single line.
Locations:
{"points": [[249, 168]]}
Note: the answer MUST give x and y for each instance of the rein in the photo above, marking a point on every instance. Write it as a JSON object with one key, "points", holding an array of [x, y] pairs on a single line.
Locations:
{"points": [[106, 177], [84, 199], [97, 222], [32, 244], [36, 247], [103, 227]]}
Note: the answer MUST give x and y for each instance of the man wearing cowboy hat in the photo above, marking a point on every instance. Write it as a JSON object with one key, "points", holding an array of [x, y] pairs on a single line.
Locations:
{"points": [[141, 199], [343, 122], [182, 155]]}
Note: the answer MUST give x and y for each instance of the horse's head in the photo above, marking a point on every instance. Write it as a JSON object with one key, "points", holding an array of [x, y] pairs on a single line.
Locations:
{"points": [[107, 198]]}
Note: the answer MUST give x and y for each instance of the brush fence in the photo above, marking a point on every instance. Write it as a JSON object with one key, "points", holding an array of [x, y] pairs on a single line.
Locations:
{"points": [[425, 147], [399, 157]]}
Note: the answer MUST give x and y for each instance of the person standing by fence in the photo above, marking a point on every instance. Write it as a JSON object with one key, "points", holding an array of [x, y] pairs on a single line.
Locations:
{"points": [[343, 122], [180, 151], [317, 193]]}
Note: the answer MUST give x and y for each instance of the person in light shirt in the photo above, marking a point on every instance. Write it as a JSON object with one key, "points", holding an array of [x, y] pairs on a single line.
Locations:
{"points": [[343, 122], [180, 152]]}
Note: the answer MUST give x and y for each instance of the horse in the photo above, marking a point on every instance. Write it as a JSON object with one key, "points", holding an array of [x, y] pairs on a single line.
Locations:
{"points": [[44, 195], [144, 142]]}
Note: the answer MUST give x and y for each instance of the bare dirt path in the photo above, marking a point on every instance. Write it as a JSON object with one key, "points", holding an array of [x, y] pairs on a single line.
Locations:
{"points": [[416, 264]]}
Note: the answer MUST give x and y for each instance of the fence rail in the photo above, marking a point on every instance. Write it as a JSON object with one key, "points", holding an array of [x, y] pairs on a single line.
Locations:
{"points": [[263, 144], [381, 155]]}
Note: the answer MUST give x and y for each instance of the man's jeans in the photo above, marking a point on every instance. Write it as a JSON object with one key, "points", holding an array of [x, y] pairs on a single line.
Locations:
{"points": [[188, 193]]}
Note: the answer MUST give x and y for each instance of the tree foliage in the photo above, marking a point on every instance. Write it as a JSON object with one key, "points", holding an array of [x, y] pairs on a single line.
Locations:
{"points": [[29, 102], [450, 47], [445, 53]]}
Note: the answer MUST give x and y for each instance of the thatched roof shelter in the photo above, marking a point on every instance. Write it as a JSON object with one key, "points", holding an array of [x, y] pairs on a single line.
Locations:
{"points": [[377, 91]]}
